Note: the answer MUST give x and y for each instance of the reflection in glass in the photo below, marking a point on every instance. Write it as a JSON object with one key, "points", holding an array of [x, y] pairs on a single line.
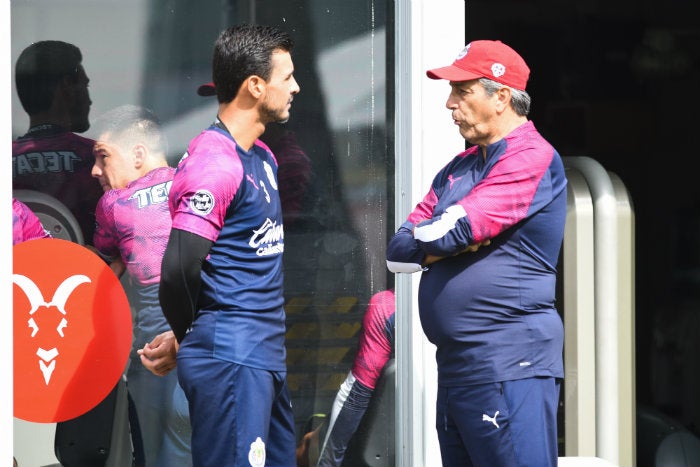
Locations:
{"points": [[335, 153]]}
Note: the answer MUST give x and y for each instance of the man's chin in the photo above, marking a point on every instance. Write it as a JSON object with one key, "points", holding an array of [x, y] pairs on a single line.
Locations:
{"points": [[282, 118], [80, 128]]}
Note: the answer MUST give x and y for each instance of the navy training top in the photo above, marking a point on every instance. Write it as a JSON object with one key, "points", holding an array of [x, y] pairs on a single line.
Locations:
{"points": [[230, 196], [491, 313]]}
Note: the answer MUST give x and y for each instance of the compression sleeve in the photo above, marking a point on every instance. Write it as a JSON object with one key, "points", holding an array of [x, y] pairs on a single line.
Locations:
{"points": [[350, 404], [181, 278]]}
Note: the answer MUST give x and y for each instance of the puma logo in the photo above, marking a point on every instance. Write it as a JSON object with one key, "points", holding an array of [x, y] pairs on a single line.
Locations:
{"points": [[252, 180], [486, 418]]}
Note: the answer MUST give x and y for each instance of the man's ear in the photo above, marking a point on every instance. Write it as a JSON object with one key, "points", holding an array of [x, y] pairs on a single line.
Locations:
{"points": [[256, 86], [140, 153], [503, 96]]}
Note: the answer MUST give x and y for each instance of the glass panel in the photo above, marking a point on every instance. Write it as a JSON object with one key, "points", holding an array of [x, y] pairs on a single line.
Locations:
{"points": [[335, 153]]}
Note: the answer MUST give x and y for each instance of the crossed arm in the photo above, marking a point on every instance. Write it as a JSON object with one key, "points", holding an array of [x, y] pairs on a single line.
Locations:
{"points": [[430, 259]]}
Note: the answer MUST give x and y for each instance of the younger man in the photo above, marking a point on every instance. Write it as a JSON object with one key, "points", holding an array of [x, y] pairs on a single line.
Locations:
{"points": [[222, 279]]}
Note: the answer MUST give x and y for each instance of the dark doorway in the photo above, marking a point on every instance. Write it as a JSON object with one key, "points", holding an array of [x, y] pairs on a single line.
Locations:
{"points": [[616, 81]]}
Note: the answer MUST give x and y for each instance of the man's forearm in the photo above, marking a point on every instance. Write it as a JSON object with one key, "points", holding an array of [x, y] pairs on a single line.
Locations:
{"points": [[181, 278]]}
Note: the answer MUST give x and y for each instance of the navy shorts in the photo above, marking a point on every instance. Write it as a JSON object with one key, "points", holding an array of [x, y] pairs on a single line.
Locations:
{"points": [[506, 424], [241, 416]]}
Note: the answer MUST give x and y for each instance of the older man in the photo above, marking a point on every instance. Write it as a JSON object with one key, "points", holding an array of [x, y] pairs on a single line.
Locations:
{"points": [[491, 312]]}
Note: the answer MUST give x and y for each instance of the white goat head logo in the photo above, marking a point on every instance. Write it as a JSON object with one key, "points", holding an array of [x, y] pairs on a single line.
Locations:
{"points": [[47, 358]]}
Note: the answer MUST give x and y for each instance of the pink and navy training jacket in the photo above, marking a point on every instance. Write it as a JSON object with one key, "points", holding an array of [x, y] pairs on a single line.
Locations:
{"points": [[491, 313]]}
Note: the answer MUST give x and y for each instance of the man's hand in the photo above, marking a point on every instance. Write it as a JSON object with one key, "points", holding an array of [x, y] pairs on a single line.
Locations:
{"points": [[430, 259], [158, 356], [117, 266], [475, 246], [308, 449]]}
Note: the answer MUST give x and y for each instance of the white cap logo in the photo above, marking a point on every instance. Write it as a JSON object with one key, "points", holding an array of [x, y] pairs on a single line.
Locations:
{"points": [[498, 70], [463, 52]]}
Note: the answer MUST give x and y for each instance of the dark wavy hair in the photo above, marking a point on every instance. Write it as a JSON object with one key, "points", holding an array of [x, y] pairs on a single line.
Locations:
{"points": [[242, 51]]}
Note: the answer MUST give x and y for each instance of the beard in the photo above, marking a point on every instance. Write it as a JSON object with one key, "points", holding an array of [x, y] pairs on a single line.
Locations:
{"points": [[271, 114]]}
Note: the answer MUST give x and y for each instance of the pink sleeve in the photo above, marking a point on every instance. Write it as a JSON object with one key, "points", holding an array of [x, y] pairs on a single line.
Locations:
{"points": [[25, 224], [204, 185], [375, 347], [104, 239]]}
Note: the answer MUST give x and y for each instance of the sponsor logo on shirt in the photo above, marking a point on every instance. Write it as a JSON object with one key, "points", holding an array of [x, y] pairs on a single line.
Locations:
{"points": [[268, 239], [155, 194], [44, 162]]}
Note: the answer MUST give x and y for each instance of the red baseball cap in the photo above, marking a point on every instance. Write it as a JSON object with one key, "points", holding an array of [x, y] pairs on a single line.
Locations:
{"points": [[207, 89], [486, 59]]}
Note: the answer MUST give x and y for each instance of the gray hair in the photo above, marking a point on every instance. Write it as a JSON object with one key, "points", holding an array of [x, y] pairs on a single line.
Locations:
{"points": [[519, 100]]}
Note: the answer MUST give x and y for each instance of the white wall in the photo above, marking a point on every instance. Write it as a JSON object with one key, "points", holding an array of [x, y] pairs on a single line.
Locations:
{"points": [[429, 34]]}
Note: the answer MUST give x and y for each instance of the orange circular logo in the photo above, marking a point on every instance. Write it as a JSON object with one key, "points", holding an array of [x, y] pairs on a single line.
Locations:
{"points": [[72, 330]]}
